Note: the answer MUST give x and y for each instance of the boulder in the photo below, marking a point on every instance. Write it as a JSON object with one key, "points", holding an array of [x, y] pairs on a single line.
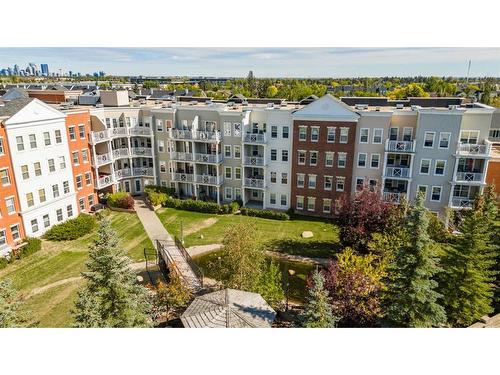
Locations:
{"points": [[307, 234]]}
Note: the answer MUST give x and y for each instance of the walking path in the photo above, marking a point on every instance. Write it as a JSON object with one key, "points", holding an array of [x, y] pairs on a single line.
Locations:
{"points": [[157, 232]]}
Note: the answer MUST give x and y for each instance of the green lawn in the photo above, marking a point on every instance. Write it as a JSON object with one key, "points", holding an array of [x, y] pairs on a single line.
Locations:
{"points": [[61, 260], [275, 235]]}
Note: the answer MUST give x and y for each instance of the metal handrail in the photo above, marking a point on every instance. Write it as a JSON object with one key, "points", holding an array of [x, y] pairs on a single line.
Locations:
{"points": [[196, 269]]}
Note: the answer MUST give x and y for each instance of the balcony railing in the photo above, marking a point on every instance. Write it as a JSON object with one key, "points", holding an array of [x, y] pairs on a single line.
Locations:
{"points": [[180, 134], [397, 172], [183, 177], [142, 171], [118, 132], [209, 180], [393, 197], [120, 153], [184, 156], [254, 138], [105, 181], [459, 202], [208, 158], [469, 177], [207, 136], [254, 161], [100, 136], [141, 151], [103, 159], [107, 134], [399, 146], [122, 173], [139, 130], [467, 149], [254, 183]]}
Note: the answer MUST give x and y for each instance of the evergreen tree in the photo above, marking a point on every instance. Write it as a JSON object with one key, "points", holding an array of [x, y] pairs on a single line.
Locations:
{"points": [[111, 296], [10, 306], [318, 313], [411, 299], [468, 281]]}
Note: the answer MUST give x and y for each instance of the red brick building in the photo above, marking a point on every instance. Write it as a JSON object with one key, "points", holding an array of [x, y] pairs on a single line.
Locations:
{"points": [[324, 138]]}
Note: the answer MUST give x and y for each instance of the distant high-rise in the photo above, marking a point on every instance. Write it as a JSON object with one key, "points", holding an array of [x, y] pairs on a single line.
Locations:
{"points": [[16, 69], [45, 69]]}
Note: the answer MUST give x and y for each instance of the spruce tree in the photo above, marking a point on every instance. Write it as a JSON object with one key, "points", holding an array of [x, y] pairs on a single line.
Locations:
{"points": [[411, 299], [318, 313], [111, 296], [469, 264], [11, 315]]}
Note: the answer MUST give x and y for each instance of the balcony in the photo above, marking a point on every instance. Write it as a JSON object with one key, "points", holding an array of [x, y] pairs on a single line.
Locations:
{"points": [[139, 131], [209, 180], [103, 159], [143, 171], [141, 151], [180, 134], [118, 132], [393, 197], [254, 138], [255, 183], [122, 173], [208, 158], [182, 156], [120, 153], [479, 150], [105, 181], [469, 177], [397, 172], [102, 136], [205, 136], [107, 134], [399, 146], [183, 177], [254, 161], [461, 202]]}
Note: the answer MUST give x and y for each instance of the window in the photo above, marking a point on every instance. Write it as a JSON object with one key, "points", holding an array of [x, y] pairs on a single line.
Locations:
{"points": [[3, 238], [439, 167], [59, 214], [34, 225], [9, 203], [407, 134], [327, 206], [436, 193], [62, 162], [227, 129], [161, 146], [311, 179], [444, 140], [108, 122], [469, 136], [373, 185], [313, 158], [344, 135], [66, 184], [88, 178], [25, 172], [340, 183], [377, 136], [361, 160], [360, 183], [237, 173], [393, 134], [2, 150], [72, 134], [163, 167], [237, 133], [85, 156], [29, 199], [375, 161], [300, 202], [41, 195], [46, 221], [237, 152], [38, 168], [300, 180], [52, 166], [423, 190], [272, 198], [79, 183], [329, 159], [228, 193], [274, 131], [237, 191], [328, 183], [55, 190], [284, 155], [273, 177], [227, 151], [58, 136], [342, 160], [20, 143], [14, 230], [274, 154], [284, 178], [425, 166], [159, 125], [285, 132], [91, 200], [32, 139], [283, 200], [69, 208], [301, 158], [314, 133], [330, 135], [311, 203], [302, 133], [4, 177], [228, 172], [364, 134], [76, 160], [429, 139]]}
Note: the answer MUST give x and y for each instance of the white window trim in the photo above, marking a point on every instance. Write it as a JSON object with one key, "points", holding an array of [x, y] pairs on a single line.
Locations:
{"points": [[302, 127], [381, 136], [371, 159], [298, 157], [433, 140], [444, 168], [226, 189], [281, 178], [420, 167], [312, 140], [327, 131], [312, 199], [230, 152], [324, 183], [297, 202], [339, 178], [397, 132], [340, 135], [317, 158], [333, 159], [329, 206], [440, 193], [241, 173], [345, 160], [315, 181], [367, 135], [303, 180], [228, 168], [407, 127], [234, 152], [426, 190], [366, 159], [439, 141]]}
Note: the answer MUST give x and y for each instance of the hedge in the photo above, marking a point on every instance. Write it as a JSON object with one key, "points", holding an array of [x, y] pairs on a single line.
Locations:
{"points": [[201, 206], [266, 214], [159, 189], [120, 199], [71, 229]]}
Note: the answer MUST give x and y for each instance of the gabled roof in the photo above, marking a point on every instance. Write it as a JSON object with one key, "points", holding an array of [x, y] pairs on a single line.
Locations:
{"points": [[11, 107], [15, 93], [326, 108], [27, 110]]}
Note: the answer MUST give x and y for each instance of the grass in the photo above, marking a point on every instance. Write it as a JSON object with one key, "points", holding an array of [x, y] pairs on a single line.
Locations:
{"points": [[283, 236], [61, 260]]}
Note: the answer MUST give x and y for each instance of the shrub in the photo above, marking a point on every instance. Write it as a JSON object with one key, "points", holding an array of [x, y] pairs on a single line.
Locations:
{"points": [[159, 189], [266, 214], [199, 206], [234, 206], [120, 199], [71, 229], [32, 246], [156, 198], [4, 262]]}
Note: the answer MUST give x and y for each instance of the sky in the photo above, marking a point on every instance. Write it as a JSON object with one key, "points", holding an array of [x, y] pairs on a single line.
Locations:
{"points": [[264, 62]]}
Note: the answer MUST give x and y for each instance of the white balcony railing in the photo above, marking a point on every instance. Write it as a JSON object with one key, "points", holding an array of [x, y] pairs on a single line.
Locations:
{"points": [[141, 151], [120, 153], [142, 171], [393, 197], [101, 136], [180, 134], [397, 172], [184, 156], [183, 177], [118, 132], [254, 160], [207, 136], [105, 181], [459, 202], [469, 177], [254, 183], [208, 158], [399, 146], [209, 180], [139, 130], [254, 138], [103, 159], [468, 149], [122, 173]]}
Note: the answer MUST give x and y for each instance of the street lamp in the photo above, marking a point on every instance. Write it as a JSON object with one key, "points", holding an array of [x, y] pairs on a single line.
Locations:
{"points": [[290, 272]]}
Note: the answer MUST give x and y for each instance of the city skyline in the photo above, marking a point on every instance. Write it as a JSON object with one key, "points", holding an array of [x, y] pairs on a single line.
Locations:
{"points": [[264, 62]]}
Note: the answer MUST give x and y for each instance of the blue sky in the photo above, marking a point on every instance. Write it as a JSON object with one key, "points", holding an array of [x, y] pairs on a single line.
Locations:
{"points": [[264, 62]]}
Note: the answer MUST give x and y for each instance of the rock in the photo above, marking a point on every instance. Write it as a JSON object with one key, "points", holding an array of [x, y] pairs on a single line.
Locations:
{"points": [[307, 234], [201, 236]]}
